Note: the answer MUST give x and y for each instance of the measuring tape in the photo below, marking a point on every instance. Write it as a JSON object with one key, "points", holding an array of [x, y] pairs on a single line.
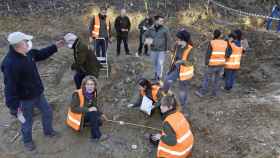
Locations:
{"points": [[132, 124]]}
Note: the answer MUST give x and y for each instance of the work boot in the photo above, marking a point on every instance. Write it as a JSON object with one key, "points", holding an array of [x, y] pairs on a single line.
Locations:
{"points": [[54, 134], [30, 146]]}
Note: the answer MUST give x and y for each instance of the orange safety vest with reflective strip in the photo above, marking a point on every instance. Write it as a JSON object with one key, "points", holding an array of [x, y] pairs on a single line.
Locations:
{"points": [[186, 72], [74, 120], [155, 89], [184, 137], [233, 62], [96, 26], [217, 57]]}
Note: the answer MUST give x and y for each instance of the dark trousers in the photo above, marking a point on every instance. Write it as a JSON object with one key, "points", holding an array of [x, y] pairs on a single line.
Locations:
{"points": [[94, 118], [230, 78], [27, 109], [101, 45], [141, 45], [78, 78], [121, 39]]}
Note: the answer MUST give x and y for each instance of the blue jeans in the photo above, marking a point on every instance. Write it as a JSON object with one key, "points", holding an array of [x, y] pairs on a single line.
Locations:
{"points": [[213, 73], [78, 78], [230, 78], [94, 118], [183, 90], [101, 45], [47, 116], [158, 58], [275, 14]]}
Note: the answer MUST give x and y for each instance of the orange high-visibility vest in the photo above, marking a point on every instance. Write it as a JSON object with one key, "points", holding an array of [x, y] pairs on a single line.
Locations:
{"points": [[74, 120], [186, 72], [155, 89], [217, 57], [184, 137], [233, 62], [96, 26]]}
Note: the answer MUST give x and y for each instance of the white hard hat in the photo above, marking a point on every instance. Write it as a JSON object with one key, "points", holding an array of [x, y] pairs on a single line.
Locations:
{"points": [[17, 37]]}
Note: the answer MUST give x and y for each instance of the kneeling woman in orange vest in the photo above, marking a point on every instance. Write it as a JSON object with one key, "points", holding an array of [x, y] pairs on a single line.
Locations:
{"points": [[84, 108], [148, 89], [176, 138], [181, 67], [233, 61]]}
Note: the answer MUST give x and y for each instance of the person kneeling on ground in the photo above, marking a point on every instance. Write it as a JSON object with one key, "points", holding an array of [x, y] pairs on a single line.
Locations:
{"points": [[176, 138], [148, 89], [84, 109]]}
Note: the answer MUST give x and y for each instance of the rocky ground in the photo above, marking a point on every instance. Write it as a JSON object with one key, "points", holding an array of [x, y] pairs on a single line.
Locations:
{"points": [[240, 124]]}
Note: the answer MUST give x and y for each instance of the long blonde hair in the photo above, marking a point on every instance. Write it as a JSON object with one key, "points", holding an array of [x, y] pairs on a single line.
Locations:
{"points": [[87, 78]]}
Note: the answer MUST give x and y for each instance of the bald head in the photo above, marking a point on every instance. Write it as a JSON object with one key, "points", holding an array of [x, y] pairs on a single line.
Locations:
{"points": [[123, 12]]}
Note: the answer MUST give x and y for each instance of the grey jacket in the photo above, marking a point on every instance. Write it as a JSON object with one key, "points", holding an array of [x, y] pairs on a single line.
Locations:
{"points": [[161, 38]]}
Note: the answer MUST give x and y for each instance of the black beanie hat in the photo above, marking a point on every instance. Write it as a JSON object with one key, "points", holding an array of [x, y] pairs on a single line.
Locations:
{"points": [[183, 35], [143, 82]]}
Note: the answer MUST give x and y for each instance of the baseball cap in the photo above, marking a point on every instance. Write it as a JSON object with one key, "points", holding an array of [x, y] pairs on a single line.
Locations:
{"points": [[17, 37]]}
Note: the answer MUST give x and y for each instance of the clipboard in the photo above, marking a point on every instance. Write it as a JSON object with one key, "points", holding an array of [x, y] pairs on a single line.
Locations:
{"points": [[146, 105]]}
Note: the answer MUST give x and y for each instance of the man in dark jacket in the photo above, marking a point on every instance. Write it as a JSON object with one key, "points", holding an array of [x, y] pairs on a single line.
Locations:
{"points": [[122, 26], [23, 86], [100, 32], [85, 61], [143, 27], [159, 40]]}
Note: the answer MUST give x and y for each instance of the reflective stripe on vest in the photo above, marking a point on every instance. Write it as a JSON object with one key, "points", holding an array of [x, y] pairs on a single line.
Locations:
{"points": [[96, 27], [74, 119], [218, 53], [184, 138], [176, 153], [233, 62], [186, 72]]}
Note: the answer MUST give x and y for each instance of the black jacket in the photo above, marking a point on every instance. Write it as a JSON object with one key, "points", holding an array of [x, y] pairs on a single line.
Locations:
{"points": [[122, 23], [21, 78], [147, 22]]}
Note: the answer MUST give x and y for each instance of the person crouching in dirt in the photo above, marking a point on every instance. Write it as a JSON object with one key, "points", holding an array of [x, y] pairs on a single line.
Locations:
{"points": [[232, 64], [215, 60], [24, 89], [181, 67], [176, 139], [84, 109], [85, 61], [148, 89]]}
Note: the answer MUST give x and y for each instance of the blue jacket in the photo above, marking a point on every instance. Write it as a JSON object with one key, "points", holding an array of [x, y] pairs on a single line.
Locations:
{"points": [[21, 77]]}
